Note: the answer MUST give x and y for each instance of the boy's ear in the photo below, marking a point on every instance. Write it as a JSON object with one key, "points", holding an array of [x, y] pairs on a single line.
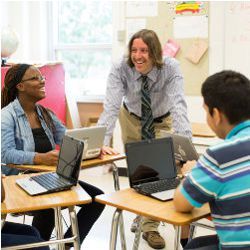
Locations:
{"points": [[217, 115]]}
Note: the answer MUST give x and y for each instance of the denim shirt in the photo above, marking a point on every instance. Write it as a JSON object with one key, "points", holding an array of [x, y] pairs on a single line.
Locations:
{"points": [[17, 142]]}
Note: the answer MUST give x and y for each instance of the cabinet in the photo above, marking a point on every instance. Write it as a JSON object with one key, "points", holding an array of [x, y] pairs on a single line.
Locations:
{"points": [[55, 87]]}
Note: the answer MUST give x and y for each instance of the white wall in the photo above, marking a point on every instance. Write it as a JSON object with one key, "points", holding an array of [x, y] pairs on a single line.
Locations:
{"points": [[29, 20]]}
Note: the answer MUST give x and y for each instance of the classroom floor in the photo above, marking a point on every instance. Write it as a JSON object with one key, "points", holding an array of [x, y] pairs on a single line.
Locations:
{"points": [[98, 237]]}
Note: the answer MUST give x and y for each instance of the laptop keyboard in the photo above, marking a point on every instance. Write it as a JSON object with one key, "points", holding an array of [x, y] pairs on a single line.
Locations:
{"points": [[159, 186], [50, 181]]}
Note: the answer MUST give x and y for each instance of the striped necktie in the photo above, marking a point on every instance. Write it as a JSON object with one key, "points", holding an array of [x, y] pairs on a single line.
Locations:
{"points": [[147, 120]]}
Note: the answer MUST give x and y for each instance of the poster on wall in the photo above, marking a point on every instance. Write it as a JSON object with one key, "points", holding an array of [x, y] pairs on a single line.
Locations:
{"points": [[187, 7], [190, 27], [141, 8], [133, 25]]}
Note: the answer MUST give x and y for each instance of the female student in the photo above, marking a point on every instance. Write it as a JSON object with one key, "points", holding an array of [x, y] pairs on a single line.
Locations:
{"points": [[29, 134]]}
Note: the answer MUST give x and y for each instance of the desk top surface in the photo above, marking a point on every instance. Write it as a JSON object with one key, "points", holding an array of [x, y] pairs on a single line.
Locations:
{"points": [[130, 200], [17, 200], [106, 159], [202, 130]]}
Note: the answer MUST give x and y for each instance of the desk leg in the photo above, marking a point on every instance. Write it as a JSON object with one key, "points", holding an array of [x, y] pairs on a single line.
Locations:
{"points": [[117, 187], [116, 177], [137, 234], [58, 226], [122, 232], [74, 226], [177, 237], [114, 229]]}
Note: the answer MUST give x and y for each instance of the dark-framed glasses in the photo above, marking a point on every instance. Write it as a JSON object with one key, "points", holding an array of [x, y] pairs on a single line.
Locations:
{"points": [[35, 78]]}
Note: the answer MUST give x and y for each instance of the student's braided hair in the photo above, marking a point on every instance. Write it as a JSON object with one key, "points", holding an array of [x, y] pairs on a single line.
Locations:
{"points": [[9, 92]]}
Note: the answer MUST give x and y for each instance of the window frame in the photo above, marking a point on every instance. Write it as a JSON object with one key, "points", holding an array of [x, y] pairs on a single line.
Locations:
{"points": [[57, 47]]}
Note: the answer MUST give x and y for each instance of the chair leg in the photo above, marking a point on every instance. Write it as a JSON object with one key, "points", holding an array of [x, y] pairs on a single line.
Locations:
{"points": [[192, 231], [65, 222], [193, 227], [24, 219]]}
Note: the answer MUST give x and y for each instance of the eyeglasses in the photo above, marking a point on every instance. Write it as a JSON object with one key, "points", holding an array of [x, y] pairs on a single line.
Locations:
{"points": [[35, 78]]}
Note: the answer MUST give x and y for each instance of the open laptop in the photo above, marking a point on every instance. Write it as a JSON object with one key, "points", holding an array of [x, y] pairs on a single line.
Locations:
{"points": [[67, 171], [93, 138], [151, 168], [184, 149]]}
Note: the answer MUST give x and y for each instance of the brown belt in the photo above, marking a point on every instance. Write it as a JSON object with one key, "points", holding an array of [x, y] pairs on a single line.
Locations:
{"points": [[156, 120]]}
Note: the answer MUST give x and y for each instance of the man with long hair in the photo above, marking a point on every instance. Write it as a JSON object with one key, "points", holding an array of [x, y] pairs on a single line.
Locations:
{"points": [[146, 91]]}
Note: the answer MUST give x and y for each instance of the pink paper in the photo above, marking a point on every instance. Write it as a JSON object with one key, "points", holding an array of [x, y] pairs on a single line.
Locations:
{"points": [[171, 48]]}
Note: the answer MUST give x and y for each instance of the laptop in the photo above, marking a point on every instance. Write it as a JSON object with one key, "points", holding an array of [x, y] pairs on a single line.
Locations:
{"points": [[67, 171], [184, 149], [93, 138], [151, 168]]}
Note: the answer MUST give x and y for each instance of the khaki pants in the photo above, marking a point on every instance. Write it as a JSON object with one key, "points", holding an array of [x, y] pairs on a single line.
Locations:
{"points": [[131, 131]]}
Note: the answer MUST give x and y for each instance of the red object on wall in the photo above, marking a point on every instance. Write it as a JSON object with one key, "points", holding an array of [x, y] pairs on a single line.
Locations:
{"points": [[55, 88]]}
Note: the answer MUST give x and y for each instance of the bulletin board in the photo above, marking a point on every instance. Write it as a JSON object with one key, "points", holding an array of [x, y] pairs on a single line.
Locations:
{"points": [[163, 24], [237, 37]]}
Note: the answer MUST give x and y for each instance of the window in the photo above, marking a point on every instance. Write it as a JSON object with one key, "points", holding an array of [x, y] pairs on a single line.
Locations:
{"points": [[83, 41]]}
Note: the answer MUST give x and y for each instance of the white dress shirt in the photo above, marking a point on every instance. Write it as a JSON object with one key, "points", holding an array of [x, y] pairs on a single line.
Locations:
{"points": [[166, 93]]}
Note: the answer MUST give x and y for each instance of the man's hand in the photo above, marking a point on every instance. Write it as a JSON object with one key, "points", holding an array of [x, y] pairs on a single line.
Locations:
{"points": [[108, 151]]}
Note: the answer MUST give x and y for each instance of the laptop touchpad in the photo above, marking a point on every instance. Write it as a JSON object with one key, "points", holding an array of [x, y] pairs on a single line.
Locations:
{"points": [[164, 195]]}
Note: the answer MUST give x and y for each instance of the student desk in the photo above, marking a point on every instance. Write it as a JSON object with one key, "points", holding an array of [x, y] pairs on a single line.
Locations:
{"points": [[130, 200], [106, 159], [18, 201], [201, 130]]}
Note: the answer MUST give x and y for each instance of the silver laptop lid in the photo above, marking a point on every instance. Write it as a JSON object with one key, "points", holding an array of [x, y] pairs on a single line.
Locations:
{"points": [[184, 149], [93, 138], [150, 160]]}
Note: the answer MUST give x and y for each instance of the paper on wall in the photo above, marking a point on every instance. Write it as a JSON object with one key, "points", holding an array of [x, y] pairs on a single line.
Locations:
{"points": [[196, 51], [190, 26], [171, 48], [141, 9], [133, 25]]}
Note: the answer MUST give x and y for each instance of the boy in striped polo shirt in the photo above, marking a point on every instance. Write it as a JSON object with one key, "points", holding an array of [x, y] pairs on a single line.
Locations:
{"points": [[222, 175]]}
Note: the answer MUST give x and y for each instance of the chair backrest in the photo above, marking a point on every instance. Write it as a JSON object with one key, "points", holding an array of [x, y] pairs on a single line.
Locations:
{"points": [[73, 118]]}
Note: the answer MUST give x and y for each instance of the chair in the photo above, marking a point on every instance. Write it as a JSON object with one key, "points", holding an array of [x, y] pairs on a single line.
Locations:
{"points": [[73, 117], [194, 225]]}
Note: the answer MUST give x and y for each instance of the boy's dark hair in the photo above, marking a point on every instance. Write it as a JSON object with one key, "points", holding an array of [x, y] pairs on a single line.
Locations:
{"points": [[229, 92], [154, 47]]}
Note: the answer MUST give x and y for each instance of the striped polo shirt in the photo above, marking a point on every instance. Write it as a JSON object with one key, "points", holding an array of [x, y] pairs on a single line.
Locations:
{"points": [[222, 178]]}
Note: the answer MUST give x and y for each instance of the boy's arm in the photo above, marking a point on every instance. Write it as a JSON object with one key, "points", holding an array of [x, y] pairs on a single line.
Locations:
{"points": [[180, 202]]}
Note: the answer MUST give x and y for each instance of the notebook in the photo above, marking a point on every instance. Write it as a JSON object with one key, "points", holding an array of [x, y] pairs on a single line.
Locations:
{"points": [[93, 138], [151, 168], [184, 149], [67, 171]]}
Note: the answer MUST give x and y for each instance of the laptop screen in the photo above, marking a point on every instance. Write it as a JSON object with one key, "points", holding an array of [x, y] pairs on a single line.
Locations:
{"points": [[150, 160], [70, 158]]}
